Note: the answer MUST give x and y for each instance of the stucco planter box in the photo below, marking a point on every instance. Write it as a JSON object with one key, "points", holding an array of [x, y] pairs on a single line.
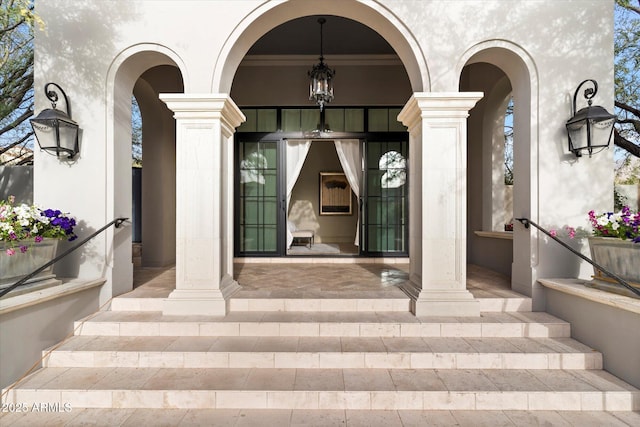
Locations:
{"points": [[14, 267], [621, 257]]}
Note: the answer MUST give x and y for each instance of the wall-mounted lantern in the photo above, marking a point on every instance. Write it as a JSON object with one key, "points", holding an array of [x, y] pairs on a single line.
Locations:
{"points": [[55, 131], [591, 128]]}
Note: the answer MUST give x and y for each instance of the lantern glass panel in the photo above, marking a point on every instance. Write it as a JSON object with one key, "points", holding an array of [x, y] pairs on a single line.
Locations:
{"points": [[68, 136], [578, 135], [601, 132], [45, 134]]}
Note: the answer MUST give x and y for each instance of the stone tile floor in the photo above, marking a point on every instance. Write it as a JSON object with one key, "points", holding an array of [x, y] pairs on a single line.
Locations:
{"points": [[319, 280]]}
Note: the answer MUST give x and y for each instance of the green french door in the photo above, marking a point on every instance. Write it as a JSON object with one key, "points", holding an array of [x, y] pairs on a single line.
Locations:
{"points": [[385, 197], [260, 215], [259, 202]]}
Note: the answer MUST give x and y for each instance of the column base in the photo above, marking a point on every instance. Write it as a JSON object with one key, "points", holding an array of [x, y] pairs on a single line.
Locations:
{"points": [[201, 302], [442, 302]]}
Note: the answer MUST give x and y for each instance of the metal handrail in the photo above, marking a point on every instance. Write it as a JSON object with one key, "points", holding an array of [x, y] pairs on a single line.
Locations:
{"points": [[117, 222], [526, 222]]}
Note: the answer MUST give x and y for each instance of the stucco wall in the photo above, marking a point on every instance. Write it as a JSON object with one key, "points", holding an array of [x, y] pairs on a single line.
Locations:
{"points": [[207, 41], [631, 193], [609, 330], [26, 332]]}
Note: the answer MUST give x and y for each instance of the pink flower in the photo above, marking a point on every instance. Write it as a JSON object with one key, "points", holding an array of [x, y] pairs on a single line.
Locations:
{"points": [[11, 251], [553, 233], [571, 231]]}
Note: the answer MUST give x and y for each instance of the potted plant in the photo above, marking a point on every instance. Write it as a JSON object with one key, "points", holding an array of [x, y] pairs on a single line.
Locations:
{"points": [[615, 245], [28, 238]]}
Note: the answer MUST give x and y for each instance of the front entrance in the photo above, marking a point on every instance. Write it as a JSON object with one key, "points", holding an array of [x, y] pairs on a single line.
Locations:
{"points": [[303, 191]]}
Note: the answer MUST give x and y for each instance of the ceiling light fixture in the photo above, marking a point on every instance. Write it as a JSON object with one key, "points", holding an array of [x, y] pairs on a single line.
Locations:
{"points": [[321, 78]]}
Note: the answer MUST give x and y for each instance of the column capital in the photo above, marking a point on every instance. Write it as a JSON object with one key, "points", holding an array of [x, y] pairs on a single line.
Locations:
{"points": [[204, 106], [438, 105]]}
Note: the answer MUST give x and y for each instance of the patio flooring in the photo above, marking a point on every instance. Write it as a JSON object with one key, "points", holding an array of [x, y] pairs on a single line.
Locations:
{"points": [[320, 280]]}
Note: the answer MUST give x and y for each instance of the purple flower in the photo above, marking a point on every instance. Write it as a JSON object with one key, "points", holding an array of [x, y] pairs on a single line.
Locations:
{"points": [[50, 213], [23, 248], [38, 239]]}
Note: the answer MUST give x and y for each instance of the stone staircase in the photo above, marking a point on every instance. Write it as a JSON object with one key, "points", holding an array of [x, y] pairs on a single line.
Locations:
{"points": [[326, 354]]}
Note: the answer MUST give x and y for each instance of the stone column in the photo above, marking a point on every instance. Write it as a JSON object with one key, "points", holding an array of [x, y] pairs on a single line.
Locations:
{"points": [[437, 125], [204, 136]]}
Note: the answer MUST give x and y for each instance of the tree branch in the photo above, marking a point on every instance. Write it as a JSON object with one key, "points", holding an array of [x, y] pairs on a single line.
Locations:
{"points": [[12, 27], [634, 9], [627, 107], [24, 116], [14, 144], [625, 144], [26, 161]]}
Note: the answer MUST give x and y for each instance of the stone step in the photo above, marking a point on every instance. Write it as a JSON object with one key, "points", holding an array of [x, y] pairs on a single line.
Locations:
{"points": [[136, 304], [323, 352], [511, 304], [361, 304], [279, 304], [322, 304], [324, 324], [315, 417], [363, 389]]}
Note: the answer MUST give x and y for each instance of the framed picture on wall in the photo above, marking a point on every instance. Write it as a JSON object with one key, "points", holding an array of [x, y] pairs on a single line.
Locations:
{"points": [[335, 194]]}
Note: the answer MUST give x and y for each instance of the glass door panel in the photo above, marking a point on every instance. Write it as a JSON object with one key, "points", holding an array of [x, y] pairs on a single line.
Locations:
{"points": [[385, 210], [258, 201]]}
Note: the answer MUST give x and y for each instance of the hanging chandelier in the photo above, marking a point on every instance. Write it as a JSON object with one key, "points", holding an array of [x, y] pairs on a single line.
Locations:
{"points": [[321, 78]]}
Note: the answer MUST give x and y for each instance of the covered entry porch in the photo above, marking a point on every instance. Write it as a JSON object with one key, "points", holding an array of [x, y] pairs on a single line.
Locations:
{"points": [[205, 277], [312, 285]]}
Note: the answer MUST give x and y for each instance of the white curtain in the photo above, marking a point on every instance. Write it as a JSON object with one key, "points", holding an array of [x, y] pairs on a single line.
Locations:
{"points": [[349, 155], [296, 154]]}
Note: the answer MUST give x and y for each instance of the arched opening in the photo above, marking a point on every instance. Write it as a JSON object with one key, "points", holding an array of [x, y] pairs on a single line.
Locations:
{"points": [[268, 16], [158, 184], [371, 86], [143, 75], [506, 76], [489, 242]]}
